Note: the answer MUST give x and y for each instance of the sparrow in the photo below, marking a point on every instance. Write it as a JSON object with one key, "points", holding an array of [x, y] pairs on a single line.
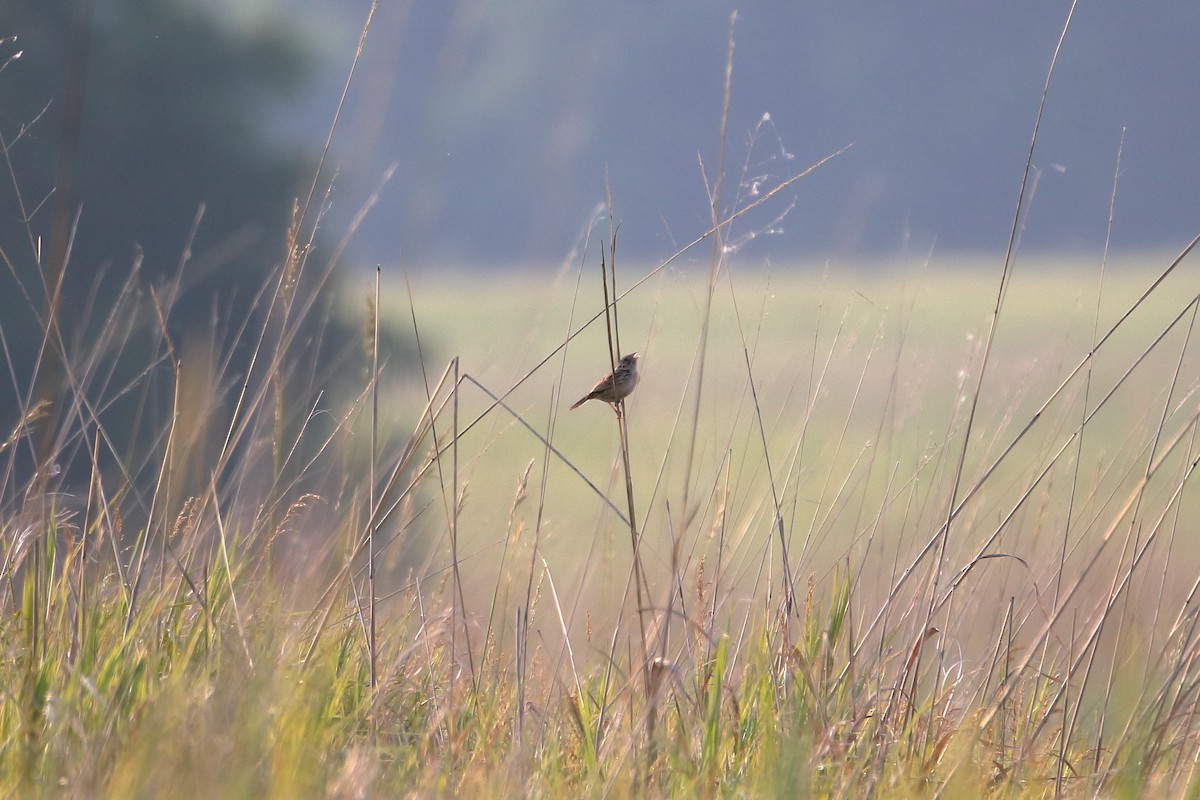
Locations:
{"points": [[616, 387]]}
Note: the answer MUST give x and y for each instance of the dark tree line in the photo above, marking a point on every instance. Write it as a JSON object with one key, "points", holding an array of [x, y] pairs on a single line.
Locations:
{"points": [[121, 120]]}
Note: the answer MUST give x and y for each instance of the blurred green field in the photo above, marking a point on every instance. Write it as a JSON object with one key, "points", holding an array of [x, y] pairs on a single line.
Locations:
{"points": [[859, 374]]}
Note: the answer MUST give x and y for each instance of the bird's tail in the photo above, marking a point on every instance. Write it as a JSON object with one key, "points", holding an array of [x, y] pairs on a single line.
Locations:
{"points": [[581, 401]]}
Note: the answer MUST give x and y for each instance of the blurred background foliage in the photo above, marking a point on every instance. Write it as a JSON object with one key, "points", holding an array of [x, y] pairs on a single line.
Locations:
{"points": [[171, 117], [505, 120], [121, 121]]}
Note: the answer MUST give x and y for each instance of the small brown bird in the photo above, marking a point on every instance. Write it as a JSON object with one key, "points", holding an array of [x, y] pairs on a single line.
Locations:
{"points": [[615, 387]]}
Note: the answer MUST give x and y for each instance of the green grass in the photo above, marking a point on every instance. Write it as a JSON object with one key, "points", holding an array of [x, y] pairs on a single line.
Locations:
{"points": [[214, 641]]}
